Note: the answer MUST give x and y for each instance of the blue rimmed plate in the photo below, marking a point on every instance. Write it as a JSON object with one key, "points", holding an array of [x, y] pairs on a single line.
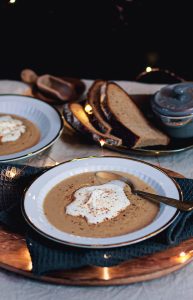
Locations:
{"points": [[33, 201], [45, 117]]}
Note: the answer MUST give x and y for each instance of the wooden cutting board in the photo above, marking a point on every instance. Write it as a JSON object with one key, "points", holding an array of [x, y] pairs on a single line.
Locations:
{"points": [[15, 257]]}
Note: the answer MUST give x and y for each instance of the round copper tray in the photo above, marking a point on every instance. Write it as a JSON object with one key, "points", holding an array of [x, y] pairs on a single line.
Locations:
{"points": [[14, 256]]}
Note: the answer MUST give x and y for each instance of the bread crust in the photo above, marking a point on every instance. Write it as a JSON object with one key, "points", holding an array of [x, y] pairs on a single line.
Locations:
{"points": [[118, 129], [76, 124], [133, 140], [97, 117]]}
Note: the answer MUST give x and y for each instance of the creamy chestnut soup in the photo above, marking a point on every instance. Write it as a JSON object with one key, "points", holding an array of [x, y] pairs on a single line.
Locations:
{"points": [[135, 212], [17, 134]]}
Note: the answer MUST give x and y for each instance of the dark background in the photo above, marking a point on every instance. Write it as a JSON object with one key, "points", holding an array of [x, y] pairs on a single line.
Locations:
{"points": [[96, 39]]}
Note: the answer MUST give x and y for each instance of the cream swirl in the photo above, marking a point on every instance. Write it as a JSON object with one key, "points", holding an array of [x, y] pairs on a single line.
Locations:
{"points": [[99, 203], [10, 129]]}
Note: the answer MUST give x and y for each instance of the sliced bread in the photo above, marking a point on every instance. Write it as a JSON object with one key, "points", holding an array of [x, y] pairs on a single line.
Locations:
{"points": [[97, 117], [127, 121], [76, 117]]}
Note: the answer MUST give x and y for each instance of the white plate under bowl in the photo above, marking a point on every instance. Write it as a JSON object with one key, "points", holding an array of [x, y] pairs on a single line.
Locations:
{"points": [[44, 116], [32, 205]]}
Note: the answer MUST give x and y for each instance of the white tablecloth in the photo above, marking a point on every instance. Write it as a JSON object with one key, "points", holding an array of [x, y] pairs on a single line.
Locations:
{"points": [[178, 285]]}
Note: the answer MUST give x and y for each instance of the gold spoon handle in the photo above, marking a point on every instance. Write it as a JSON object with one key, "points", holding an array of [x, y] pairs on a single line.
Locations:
{"points": [[181, 205]]}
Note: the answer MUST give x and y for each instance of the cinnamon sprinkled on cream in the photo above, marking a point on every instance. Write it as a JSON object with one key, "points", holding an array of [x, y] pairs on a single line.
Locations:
{"points": [[99, 203]]}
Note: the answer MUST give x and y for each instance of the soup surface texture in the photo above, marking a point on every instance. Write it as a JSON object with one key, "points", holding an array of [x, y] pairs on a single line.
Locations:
{"points": [[137, 215], [28, 139]]}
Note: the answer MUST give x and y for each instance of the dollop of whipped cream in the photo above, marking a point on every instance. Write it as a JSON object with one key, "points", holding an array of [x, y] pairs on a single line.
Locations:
{"points": [[10, 129], [99, 203]]}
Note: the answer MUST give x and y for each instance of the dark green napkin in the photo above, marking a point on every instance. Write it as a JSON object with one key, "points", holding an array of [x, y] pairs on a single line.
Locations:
{"points": [[49, 256]]}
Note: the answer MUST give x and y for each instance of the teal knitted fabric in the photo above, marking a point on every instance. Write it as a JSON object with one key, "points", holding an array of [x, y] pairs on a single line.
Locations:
{"points": [[49, 256]]}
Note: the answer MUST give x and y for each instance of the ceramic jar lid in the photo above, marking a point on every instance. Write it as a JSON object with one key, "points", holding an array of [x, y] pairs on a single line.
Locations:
{"points": [[174, 100]]}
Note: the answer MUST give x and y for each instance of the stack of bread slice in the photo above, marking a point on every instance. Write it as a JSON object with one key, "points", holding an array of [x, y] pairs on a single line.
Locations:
{"points": [[113, 117]]}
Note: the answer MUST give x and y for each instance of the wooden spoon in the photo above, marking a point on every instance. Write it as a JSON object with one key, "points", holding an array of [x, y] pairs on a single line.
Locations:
{"points": [[29, 76], [50, 86]]}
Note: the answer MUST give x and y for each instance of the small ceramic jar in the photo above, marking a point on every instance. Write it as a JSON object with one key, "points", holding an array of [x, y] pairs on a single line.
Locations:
{"points": [[173, 105]]}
